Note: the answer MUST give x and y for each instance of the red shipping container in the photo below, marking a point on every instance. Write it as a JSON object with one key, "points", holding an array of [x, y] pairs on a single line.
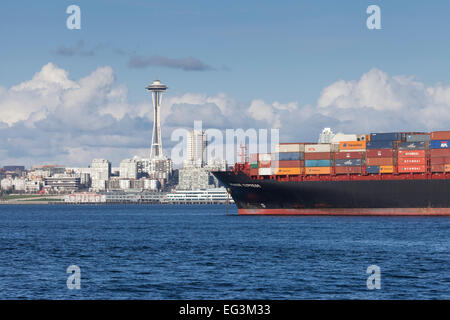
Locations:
{"points": [[380, 153], [264, 164], [253, 172], [411, 153], [349, 155], [288, 164], [380, 161], [440, 135], [439, 160], [440, 152], [347, 170], [317, 155], [408, 161], [437, 168], [409, 169]]}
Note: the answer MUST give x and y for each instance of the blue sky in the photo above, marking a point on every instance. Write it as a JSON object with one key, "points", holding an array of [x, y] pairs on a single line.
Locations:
{"points": [[297, 65], [284, 51]]}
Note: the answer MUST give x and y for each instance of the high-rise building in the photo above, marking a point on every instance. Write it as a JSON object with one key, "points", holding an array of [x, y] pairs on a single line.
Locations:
{"points": [[100, 173], [196, 148], [128, 169]]}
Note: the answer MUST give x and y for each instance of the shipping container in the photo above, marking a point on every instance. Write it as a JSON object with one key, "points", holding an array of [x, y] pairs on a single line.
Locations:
{"points": [[289, 171], [380, 161], [264, 164], [318, 163], [347, 162], [386, 169], [379, 145], [288, 164], [440, 152], [380, 153], [265, 171], [390, 136], [409, 169], [349, 155], [439, 160], [440, 135], [439, 144], [418, 137], [288, 156], [352, 145], [254, 172], [421, 145], [437, 168], [411, 154], [318, 156], [264, 157], [348, 170], [318, 170], [373, 169], [408, 161], [290, 147], [323, 147], [254, 165], [447, 167]]}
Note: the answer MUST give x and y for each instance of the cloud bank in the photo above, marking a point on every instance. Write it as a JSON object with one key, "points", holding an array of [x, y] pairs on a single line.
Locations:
{"points": [[52, 118]]}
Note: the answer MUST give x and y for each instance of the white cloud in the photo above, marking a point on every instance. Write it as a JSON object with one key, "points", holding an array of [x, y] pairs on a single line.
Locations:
{"points": [[52, 118]]}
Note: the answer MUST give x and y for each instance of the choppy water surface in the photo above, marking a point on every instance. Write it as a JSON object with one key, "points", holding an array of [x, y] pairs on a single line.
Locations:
{"points": [[201, 252]]}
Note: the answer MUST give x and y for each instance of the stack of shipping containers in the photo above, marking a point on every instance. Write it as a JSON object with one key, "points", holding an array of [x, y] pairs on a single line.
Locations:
{"points": [[440, 151], [265, 164], [412, 153], [318, 158], [350, 158], [380, 153], [288, 159], [380, 156]]}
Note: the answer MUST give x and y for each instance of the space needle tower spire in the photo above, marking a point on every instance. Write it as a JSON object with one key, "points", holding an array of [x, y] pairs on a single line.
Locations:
{"points": [[157, 89]]}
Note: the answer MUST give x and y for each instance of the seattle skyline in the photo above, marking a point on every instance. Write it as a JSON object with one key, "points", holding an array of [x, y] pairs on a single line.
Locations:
{"points": [[68, 96]]}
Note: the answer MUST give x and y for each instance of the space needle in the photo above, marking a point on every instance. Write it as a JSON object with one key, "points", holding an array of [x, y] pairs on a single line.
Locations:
{"points": [[157, 89]]}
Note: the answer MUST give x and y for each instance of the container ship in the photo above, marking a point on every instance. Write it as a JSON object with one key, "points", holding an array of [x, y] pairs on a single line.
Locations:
{"points": [[399, 173]]}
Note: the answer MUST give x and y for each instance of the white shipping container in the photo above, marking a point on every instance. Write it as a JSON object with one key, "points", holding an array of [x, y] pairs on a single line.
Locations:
{"points": [[265, 171], [353, 150], [323, 147], [338, 137], [265, 157], [289, 147]]}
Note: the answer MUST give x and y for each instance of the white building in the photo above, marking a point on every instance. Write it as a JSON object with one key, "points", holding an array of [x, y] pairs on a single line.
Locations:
{"points": [[198, 196], [196, 148], [128, 169], [100, 173]]}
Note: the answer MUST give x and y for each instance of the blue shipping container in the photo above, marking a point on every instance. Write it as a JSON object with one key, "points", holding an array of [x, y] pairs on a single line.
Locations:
{"points": [[348, 162], [439, 144], [317, 163], [391, 136], [379, 145], [412, 145], [284, 156], [373, 169]]}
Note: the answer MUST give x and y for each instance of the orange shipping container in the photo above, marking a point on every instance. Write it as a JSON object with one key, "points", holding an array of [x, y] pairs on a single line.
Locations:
{"points": [[411, 169], [318, 170], [447, 168], [289, 171], [347, 170], [407, 161], [352, 145], [380, 161], [411, 154], [386, 169]]}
